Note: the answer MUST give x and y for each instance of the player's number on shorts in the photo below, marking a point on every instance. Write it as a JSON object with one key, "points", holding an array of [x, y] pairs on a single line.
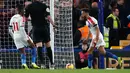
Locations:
{"points": [[15, 26]]}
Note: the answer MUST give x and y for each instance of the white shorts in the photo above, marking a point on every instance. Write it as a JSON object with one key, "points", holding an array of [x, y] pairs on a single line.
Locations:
{"points": [[21, 42], [100, 42]]}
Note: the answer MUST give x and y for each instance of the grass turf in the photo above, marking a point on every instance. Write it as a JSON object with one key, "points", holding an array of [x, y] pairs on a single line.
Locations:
{"points": [[63, 71]]}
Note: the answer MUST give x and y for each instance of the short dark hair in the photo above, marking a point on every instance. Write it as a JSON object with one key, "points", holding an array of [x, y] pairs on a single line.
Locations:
{"points": [[85, 10], [114, 9], [20, 8], [82, 22]]}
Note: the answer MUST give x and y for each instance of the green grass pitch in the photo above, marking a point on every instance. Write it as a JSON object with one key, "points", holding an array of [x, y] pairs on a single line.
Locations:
{"points": [[63, 71]]}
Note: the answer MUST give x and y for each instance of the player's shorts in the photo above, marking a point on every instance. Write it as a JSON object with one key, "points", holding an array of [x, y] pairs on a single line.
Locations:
{"points": [[41, 35], [100, 42], [21, 42]]}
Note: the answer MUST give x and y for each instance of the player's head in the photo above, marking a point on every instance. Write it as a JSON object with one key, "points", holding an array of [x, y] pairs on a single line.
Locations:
{"points": [[20, 9], [85, 12], [85, 46]]}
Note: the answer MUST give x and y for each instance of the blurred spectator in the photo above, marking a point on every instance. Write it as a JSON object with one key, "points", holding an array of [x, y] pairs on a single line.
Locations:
{"points": [[129, 21], [84, 5], [109, 4], [94, 10], [123, 13], [82, 57], [76, 15], [81, 34], [113, 23]]}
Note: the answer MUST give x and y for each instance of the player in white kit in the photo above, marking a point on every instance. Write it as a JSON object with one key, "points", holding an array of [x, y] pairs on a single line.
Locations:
{"points": [[21, 39], [97, 38]]}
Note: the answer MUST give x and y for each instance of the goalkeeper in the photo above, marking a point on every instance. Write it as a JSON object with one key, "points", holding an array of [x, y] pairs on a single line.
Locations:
{"points": [[40, 15], [21, 39]]}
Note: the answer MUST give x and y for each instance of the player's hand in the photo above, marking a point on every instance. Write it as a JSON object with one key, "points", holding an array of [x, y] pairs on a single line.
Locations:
{"points": [[31, 43], [55, 27], [82, 60], [96, 40]]}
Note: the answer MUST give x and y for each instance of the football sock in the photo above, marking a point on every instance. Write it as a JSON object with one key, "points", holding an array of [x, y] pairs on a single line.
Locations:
{"points": [[108, 54], [23, 58], [49, 53], [33, 55], [101, 61], [90, 60], [40, 56]]}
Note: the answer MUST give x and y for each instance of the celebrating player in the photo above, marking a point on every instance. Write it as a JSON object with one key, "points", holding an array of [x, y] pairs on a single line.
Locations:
{"points": [[21, 39], [97, 38]]}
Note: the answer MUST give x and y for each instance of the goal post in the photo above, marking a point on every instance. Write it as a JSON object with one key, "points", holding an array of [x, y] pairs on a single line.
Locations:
{"points": [[51, 27]]}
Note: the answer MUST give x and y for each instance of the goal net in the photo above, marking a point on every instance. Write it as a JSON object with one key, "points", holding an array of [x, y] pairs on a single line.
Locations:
{"points": [[62, 40]]}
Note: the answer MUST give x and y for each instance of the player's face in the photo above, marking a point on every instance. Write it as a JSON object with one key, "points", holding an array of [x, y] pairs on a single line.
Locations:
{"points": [[84, 14], [84, 46]]}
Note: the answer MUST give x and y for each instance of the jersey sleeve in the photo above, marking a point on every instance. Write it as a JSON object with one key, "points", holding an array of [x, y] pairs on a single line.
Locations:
{"points": [[92, 21]]}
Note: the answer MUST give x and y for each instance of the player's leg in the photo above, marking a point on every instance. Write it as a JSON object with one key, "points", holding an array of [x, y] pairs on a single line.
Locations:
{"points": [[37, 38], [49, 51], [49, 54], [48, 47], [106, 53], [109, 54], [23, 58], [90, 56], [33, 52], [20, 46]]}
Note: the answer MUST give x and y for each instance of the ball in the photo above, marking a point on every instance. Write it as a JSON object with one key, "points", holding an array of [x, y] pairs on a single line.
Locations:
{"points": [[69, 66]]}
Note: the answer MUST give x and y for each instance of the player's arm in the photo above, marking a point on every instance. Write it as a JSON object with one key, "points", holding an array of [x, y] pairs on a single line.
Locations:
{"points": [[26, 37], [30, 42], [51, 21], [97, 33], [47, 14], [95, 25], [11, 29]]}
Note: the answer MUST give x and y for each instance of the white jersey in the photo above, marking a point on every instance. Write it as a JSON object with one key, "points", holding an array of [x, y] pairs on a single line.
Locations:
{"points": [[91, 23], [17, 23], [17, 31]]}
